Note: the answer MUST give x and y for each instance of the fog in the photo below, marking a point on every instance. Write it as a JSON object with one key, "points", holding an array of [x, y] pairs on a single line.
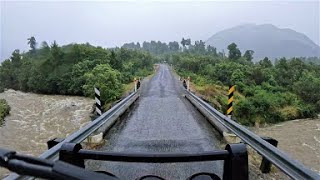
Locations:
{"points": [[110, 24]]}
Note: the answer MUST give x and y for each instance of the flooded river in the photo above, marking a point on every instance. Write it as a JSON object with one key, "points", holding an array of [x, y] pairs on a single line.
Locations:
{"points": [[34, 119]]}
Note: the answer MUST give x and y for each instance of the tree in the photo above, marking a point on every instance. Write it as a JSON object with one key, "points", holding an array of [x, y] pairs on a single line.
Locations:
{"points": [[115, 61], [248, 55], [33, 43], [199, 47], [16, 58], [56, 53], [265, 63], [212, 50], [308, 87], [45, 48], [7, 78], [183, 43], [234, 52], [107, 79], [173, 46], [138, 45]]}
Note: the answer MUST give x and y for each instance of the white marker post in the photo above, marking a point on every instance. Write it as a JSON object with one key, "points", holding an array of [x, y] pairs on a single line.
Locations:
{"points": [[135, 84]]}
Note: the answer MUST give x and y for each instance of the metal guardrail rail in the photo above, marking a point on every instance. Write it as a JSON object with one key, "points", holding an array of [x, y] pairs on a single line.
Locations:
{"points": [[83, 133], [291, 167]]}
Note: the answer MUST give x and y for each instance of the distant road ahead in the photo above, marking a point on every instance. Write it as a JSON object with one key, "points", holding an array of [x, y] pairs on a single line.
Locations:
{"points": [[162, 121]]}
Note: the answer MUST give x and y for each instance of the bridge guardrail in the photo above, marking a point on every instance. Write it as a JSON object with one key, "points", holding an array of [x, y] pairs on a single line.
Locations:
{"points": [[291, 167], [85, 132]]}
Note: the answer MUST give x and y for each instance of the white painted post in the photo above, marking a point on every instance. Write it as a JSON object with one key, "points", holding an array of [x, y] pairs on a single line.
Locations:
{"points": [[135, 84], [188, 83]]}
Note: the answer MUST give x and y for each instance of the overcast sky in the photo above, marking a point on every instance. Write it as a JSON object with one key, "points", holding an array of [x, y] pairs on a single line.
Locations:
{"points": [[110, 24]]}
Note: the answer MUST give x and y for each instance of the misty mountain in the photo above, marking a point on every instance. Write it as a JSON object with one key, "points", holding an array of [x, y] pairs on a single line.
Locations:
{"points": [[266, 40]]}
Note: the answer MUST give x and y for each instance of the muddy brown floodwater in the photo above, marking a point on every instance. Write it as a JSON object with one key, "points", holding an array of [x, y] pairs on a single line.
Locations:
{"points": [[299, 138], [34, 119]]}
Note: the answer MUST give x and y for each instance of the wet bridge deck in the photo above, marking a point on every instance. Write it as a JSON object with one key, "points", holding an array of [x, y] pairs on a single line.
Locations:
{"points": [[162, 121]]}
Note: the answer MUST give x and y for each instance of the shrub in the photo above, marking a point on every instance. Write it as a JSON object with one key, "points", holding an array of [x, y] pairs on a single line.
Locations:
{"points": [[107, 79], [4, 109], [289, 112]]}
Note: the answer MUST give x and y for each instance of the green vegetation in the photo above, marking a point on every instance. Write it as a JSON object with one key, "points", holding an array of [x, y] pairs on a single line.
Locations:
{"points": [[4, 110], [266, 92], [74, 69]]}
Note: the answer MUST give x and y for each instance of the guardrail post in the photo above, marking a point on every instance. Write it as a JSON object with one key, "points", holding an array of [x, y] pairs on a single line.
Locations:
{"points": [[188, 83], [265, 166], [138, 83], [68, 154], [98, 101], [54, 142], [236, 165], [135, 84], [230, 100]]}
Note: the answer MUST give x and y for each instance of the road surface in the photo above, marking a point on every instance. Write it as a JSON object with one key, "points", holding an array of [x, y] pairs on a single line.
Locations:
{"points": [[161, 121]]}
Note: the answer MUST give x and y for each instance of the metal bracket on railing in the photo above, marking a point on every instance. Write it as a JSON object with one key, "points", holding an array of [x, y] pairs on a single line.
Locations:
{"points": [[265, 166], [69, 154], [236, 165], [54, 142]]}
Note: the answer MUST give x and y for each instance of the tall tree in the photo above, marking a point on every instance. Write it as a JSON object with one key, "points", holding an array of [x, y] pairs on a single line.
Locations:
{"points": [[265, 63], [173, 46], [188, 42], [234, 52], [33, 43], [45, 48], [248, 55], [183, 43], [56, 51], [16, 58], [115, 62], [212, 50]]}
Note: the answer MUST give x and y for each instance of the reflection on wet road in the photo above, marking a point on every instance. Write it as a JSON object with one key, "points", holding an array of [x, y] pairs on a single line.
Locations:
{"points": [[162, 121]]}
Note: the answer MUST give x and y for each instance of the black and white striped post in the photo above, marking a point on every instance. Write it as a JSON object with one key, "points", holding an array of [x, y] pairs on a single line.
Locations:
{"points": [[98, 101]]}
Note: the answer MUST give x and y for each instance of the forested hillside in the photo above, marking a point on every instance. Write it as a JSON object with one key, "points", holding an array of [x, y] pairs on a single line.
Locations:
{"points": [[74, 69], [267, 92]]}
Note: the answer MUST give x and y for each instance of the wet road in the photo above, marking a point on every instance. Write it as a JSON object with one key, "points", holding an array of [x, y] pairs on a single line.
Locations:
{"points": [[161, 121]]}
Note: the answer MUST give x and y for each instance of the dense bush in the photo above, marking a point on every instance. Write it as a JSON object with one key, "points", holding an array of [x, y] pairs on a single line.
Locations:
{"points": [[74, 69], [107, 79], [287, 89], [4, 110]]}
